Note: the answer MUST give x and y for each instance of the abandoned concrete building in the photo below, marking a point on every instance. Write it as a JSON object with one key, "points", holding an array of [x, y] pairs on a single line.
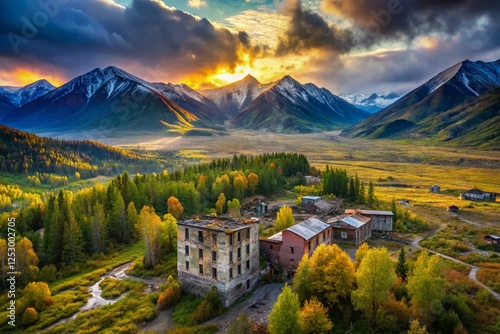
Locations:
{"points": [[220, 252]]}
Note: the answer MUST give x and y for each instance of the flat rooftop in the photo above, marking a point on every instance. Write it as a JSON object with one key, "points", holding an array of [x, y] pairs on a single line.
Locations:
{"points": [[220, 224]]}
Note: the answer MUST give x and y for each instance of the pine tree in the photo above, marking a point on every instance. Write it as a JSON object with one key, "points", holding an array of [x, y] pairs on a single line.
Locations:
{"points": [[132, 219], [371, 195], [98, 228], [115, 215], [362, 194], [72, 243], [402, 266]]}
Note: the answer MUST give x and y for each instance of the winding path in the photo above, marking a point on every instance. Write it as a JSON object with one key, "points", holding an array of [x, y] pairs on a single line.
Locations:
{"points": [[95, 299], [473, 269]]}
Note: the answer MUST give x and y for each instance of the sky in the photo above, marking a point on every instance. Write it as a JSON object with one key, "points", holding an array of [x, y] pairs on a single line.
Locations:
{"points": [[347, 46]]}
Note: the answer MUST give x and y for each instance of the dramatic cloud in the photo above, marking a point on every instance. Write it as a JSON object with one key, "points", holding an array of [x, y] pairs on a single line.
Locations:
{"points": [[197, 3], [81, 35], [408, 18], [307, 30]]}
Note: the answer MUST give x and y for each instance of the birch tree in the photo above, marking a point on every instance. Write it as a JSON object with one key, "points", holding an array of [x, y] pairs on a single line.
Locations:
{"points": [[150, 226]]}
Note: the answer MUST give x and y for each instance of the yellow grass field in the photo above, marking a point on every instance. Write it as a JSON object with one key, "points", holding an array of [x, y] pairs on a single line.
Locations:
{"points": [[400, 170]]}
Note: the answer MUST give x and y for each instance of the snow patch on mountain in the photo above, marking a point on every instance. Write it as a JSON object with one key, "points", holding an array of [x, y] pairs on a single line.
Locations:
{"points": [[371, 103]]}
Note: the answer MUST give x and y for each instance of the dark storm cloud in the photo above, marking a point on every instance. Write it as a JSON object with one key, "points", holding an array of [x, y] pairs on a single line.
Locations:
{"points": [[410, 18], [308, 30], [81, 35]]}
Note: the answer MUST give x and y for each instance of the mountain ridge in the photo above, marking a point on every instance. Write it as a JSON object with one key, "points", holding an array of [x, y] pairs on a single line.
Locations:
{"points": [[461, 83]]}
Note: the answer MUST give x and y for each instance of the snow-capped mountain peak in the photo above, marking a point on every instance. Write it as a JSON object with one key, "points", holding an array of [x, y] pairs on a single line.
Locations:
{"points": [[371, 103], [20, 96], [477, 77]]}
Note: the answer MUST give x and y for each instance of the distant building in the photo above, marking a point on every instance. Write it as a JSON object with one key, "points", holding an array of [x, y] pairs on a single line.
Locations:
{"points": [[381, 220], [321, 207], [354, 228], [435, 189], [307, 200], [478, 195], [220, 252], [493, 240], [286, 248], [310, 180], [453, 209], [261, 208]]}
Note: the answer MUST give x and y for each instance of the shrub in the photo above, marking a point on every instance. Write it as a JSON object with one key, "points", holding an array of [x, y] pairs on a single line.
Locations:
{"points": [[29, 316], [210, 307]]}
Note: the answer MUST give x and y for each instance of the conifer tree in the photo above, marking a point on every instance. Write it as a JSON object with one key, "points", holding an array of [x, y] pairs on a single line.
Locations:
{"points": [[115, 214], [72, 243], [132, 219], [371, 195], [402, 266], [98, 228]]}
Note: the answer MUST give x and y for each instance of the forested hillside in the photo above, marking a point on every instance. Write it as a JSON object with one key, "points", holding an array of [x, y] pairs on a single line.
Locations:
{"points": [[23, 152]]}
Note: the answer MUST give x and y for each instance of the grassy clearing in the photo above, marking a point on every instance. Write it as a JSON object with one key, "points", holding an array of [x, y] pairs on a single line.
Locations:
{"points": [[206, 329], [113, 288], [123, 316]]}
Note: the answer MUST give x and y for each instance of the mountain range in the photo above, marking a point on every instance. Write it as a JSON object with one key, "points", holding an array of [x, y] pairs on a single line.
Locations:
{"points": [[110, 100], [428, 109], [458, 105], [371, 103]]}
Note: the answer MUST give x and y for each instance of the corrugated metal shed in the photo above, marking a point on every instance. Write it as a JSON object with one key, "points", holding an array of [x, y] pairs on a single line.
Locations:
{"points": [[376, 212], [355, 221], [323, 205], [309, 228]]}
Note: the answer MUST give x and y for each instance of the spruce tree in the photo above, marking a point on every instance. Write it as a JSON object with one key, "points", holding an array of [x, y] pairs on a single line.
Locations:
{"points": [[402, 266], [72, 243]]}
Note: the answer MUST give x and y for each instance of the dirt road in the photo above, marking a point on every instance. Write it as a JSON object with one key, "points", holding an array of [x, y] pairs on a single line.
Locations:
{"points": [[473, 269]]}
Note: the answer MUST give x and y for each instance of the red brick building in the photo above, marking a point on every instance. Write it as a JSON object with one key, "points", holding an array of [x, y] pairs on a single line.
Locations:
{"points": [[285, 249]]}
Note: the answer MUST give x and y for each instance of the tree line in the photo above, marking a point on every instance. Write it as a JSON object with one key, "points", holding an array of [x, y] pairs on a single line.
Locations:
{"points": [[23, 152]]}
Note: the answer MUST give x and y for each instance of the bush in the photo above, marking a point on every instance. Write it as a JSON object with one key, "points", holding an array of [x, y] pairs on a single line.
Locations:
{"points": [[29, 316], [210, 307], [171, 295], [48, 273]]}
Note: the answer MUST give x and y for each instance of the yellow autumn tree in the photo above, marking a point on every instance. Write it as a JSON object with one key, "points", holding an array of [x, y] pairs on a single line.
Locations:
{"points": [[150, 227], [219, 205], [240, 185], [37, 295], [175, 207], [375, 278], [361, 252], [234, 207], [313, 318], [284, 219], [253, 182], [328, 274], [27, 260]]}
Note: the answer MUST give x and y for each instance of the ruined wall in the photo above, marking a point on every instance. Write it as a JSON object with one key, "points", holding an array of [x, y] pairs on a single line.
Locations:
{"points": [[243, 268]]}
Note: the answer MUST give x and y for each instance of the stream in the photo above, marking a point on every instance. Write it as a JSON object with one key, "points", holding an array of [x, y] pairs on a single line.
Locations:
{"points": [[95, 291]]}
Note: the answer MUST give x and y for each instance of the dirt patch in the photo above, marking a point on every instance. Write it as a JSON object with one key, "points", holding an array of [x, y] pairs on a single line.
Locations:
{"points": [[258, 306]]}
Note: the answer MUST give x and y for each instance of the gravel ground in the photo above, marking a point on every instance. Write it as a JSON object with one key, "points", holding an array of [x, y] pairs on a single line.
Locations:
{"points": [[257, 306]]}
